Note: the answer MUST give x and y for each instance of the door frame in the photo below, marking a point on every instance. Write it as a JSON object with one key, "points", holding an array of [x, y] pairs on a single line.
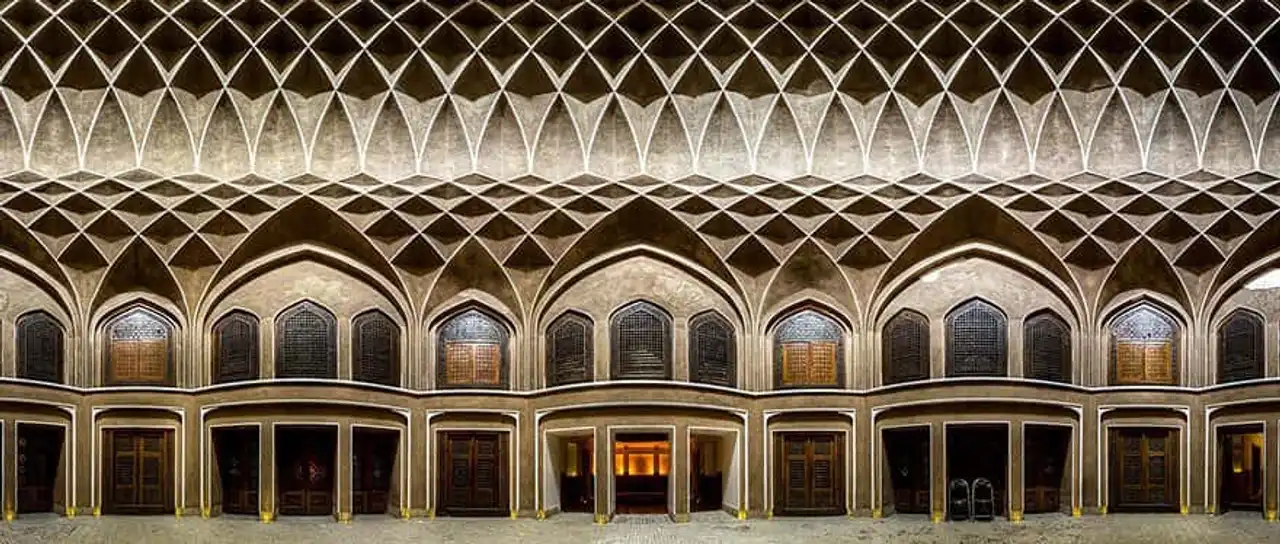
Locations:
{"points": [[1213, 485], [400, 452], [613, 431], [773, 473], [720, 432], [881, 457], [544, 489], [433, 464], [98, 464], [1106, 459], [213, 457], [65, 454], [1073, 447], [1008, 459], [275, 464]]}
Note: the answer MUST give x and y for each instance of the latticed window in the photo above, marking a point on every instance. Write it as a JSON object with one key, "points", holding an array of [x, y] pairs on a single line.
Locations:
{"points": [[39, 347], [235, 348], [1240, 347], [977, 342], [1144, 347], [306, 342], [640, 336], [375, 348], [906, 347], [139, 349], [807, 351], [1046, 341], [712, 353], [471, 351], [569, 350]]}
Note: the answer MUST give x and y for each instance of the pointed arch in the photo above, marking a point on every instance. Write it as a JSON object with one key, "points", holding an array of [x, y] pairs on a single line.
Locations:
{"points": [[713, 354], [1241, 351], [375, 348], [138, 341], [808, 349], [1143, 268], [41, 347], [640, 342], [1046, 347], [306, 342], [570, 341], [139, 268], [1144, 339], [473, 267], [810, 273], [472, 350], [235, 347], [905, 348], [977, 340]]}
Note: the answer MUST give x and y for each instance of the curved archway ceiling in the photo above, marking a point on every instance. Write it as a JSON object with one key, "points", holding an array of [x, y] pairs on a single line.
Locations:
{"points": [[1098, 124]]}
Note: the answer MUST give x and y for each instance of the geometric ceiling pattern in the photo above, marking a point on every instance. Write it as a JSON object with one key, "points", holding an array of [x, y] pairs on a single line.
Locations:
{"points": [[1098, 136]]}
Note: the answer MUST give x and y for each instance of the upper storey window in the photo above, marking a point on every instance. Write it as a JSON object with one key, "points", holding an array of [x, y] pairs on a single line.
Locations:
{"points": [[471, 351], [808, 351], [712, 354], [235, 348], [1046, 342], [375, 349], [39, 347], [641, 339], [139, 349], [1144, 347], [977, 340], [570, 354], [306, 342], [906, 347], [1240, 351]]}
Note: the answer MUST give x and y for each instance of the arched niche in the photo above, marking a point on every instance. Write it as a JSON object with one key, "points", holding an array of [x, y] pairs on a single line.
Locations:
{"points": [[1144, 345], [808, 349], [139, 347], [473, 350]]}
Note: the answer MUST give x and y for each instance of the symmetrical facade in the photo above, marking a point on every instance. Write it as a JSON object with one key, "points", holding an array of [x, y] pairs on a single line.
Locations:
{"points": [[294, 257]]}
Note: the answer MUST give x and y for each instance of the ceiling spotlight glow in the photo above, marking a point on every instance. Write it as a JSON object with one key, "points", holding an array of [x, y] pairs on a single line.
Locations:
{"points": [[1268, 280], [930, 277]]}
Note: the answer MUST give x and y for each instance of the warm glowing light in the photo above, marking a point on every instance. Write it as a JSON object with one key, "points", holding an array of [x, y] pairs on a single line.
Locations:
{"points": [[1268, 280], [930, 277], [641, 458]]}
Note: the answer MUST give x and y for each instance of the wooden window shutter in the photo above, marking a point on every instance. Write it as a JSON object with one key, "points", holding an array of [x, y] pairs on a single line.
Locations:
{"points": [[235, 340], [569, 350], [906, 348], [1240, 347], [375, 346], [40, 347], [306, 342], [1047, 348], [712, 353], [138, 349], [977, 340], [471, 351], [640, 338], [808, 351], [1144, 347]]}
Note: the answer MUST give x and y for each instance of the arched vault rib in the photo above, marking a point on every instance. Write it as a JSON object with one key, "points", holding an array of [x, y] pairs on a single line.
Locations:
{"points": [[1142, 268], [809, 273], [138, 268]]}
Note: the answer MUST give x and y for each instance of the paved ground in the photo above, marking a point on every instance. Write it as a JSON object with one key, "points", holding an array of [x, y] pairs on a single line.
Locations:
{"points": [[706, 528]]}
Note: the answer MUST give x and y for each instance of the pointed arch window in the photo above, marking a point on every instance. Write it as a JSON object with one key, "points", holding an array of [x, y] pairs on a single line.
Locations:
{"points": [[640, 338], [570, 354], [375, 348], [306, 342], [906, 347], [139, 348], [1240, 347], [40, 347], [977, 340], [471, 352], [1144, 347], [712, 351], [235, 348], [1046, 340], [808, 351]]}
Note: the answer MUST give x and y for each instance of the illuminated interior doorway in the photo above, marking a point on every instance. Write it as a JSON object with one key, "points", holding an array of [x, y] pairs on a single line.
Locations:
{"points": [[1241, 465], [713, 467], [642, 473], [577, 475]]}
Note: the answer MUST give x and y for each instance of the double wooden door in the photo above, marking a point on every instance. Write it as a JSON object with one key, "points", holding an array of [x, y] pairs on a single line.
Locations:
{"points": [[138, 475], [811, 479], [1144, 469], [306, 460], [473, 473], [375, 455], [237, 451], [39, 449]]}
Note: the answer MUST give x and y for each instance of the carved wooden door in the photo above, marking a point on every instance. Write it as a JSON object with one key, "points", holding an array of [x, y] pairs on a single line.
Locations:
{"points": [[39, 448], [1144, 473], [811, 475], [306, 477], [138, 475], [375, 454], [237, 451], [473, 473]]}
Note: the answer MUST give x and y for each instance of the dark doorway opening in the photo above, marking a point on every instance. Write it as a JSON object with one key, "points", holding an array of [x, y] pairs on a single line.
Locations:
{"points": [[1045, 480], [138, 471], [577, 475], [1241, 467], [473, 474], [979, 452], [306, 458], [1144, 470], [810, 474], [641, 473], [707, 462], [237, 456], [371, 466], [907, 452], [39, 452]]}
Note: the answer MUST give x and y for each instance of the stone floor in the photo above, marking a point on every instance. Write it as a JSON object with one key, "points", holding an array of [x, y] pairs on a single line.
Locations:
{"points": [[705, 528]]}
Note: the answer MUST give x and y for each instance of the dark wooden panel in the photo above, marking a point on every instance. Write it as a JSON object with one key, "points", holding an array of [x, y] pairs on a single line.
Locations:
{"points": [[640, 338], [473, 473], [712, 351], [1144, 347], [39, 451], [810, 474], [1047, 348], [236, 348], [1144, 469], [808, 351], [371, 465], [977, 342], [1240, 347], [306, 461], [906, 347], [471, 352], [306, 342], [40, 349], [238, 470], [138, 471], [569, 350], [138, 349], [375, 346]]}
